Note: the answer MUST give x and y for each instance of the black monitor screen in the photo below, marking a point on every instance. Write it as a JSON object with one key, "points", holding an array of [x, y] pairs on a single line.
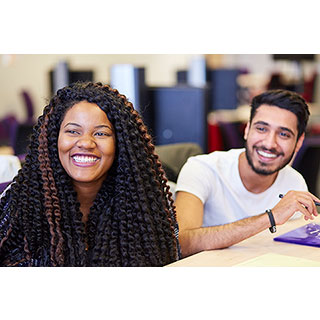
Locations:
{"points": [[74, 76], [294, 57]]}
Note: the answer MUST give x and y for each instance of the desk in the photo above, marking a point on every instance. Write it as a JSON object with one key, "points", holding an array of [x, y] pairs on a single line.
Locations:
{"points": [[9, 167], [253, 247], [6, 150]]}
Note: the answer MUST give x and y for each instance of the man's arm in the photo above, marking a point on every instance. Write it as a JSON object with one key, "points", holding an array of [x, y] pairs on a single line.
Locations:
{"points": [[193, 238]]}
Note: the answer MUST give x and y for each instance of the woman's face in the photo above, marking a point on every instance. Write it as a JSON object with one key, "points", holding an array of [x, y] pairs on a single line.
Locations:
{"points": [[86, 143]]}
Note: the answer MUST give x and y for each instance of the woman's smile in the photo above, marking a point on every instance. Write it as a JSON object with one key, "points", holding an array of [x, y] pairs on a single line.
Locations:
{"points": [[84, 160]]}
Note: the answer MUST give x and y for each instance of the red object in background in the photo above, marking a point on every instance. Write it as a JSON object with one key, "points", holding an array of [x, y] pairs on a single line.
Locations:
{"points": [[314, 130], [215, 142], [309, 84]]}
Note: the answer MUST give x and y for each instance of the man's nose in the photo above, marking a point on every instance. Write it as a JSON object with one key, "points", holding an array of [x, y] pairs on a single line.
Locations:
{"points": [[270, 141]]}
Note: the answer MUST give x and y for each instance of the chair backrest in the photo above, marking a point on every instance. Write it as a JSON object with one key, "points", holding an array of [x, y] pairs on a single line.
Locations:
{"points": [[307, 162], [174, 156], [22, 138], [232, 134], [3, 186], [29, 106], [8, 127]]}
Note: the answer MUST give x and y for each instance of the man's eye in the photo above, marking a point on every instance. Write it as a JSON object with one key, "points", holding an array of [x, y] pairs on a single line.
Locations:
{"points": [[262, 129], [284, 135]]}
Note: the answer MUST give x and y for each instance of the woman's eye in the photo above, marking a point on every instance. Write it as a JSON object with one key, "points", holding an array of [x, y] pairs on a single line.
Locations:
{"points": [[101, 134], [72, 132]]}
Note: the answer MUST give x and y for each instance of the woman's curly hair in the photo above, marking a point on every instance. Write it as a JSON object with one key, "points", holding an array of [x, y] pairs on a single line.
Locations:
{"points": [[132, 221]]}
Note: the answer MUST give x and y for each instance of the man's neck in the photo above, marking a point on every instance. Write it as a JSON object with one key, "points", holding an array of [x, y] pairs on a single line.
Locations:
{"points": [[252, 181]]}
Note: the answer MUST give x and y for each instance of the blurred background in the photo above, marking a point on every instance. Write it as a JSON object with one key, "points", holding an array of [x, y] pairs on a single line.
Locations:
{"points": [[183, 98]]}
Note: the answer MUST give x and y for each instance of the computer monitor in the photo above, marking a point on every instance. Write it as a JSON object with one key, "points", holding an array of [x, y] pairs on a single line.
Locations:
{"points": [[74, 76], [180, 114], [223, 88], [294, 57]]}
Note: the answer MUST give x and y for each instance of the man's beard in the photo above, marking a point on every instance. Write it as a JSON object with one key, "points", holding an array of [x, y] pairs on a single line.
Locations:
{"points": [[265, 171]]}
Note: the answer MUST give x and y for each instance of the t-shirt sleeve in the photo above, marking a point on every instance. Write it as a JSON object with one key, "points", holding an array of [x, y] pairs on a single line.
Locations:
{"points": [[194, 178], [299, 182], [303, 186]]}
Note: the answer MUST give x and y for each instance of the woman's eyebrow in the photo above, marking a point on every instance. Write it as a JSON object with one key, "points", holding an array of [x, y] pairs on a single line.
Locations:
{"points": [[72, 124], [103, 126], [96, 127]]}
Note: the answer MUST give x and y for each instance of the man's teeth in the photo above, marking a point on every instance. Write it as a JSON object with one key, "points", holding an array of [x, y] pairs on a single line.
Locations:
{"points": [[267, 155], [84, 159]]}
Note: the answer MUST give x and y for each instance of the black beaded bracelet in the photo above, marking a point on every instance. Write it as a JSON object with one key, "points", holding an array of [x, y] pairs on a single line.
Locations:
{"points": [[273, 228]]}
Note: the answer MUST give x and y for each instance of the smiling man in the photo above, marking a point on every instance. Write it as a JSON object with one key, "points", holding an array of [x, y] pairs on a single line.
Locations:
{"points": [[228, 196]]}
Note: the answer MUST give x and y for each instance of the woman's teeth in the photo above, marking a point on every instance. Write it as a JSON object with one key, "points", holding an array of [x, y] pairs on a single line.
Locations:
{"points": [[84, 159]]}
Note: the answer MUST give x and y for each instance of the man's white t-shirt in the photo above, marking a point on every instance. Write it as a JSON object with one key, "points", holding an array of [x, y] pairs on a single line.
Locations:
{"points": [[214, 178]]}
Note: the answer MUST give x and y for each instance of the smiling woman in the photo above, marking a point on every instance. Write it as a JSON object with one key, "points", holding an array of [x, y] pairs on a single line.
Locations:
{"points": [[86, 139], [92, 191], [86, 147]]}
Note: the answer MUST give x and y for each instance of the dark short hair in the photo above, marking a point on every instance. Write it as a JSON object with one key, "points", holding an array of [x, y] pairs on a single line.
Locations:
{"points": [[283, 99]]}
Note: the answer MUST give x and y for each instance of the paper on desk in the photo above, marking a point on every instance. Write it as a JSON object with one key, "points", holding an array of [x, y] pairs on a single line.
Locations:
{"points": [[278, 260]]}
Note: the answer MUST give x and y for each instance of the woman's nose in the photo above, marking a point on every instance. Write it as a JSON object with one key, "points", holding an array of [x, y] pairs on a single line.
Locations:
{"points": [[86, 142]]}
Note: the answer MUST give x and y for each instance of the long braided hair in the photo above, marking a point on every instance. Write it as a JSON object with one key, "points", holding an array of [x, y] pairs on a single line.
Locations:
{"points": [[132, 221]]}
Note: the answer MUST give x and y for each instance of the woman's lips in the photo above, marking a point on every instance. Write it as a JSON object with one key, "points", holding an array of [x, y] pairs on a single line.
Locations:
{"points": [[84, 160]]}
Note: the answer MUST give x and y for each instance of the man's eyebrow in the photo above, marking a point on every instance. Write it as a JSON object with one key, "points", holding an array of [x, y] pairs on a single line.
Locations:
{"points": [[267, 124], [261, 122]]}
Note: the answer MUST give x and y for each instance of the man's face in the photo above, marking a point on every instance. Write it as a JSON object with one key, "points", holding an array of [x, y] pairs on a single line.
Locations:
{"points": [[271, 139]]}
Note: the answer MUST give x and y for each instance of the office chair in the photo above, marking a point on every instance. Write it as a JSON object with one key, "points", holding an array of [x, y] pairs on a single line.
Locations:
{"points": [[307, 162], [28, 105], [174, 156], [3, 186], [22, 138], [232, 134], [8, 127]]}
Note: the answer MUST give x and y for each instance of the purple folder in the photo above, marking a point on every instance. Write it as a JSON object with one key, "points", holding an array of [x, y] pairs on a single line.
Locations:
{"points": [[308, 235]]}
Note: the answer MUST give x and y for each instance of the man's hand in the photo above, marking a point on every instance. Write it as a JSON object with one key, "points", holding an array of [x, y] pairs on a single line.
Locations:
{"points": [[292, 202], [194, 238]]}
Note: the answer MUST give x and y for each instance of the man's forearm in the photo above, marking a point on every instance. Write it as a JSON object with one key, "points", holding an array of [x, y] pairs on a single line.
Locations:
{"points": [[218, 237]]}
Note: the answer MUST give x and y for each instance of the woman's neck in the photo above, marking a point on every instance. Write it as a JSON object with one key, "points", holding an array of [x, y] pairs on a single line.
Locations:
{"points": [[86, 194]]}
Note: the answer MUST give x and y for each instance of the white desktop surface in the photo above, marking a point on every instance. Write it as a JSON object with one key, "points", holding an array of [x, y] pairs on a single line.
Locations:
{"points": [[258, 248], [9, 167]]}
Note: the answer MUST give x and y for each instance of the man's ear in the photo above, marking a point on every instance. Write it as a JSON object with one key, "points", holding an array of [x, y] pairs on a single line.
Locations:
{"points": [[246, 130], [299, 143]]}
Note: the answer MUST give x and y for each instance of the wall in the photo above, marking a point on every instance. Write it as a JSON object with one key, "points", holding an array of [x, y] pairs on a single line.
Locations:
{"points": [[31, 72]]}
